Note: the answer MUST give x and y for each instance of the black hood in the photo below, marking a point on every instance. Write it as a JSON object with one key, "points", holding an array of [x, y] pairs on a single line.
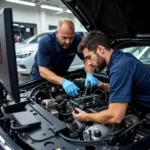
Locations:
{"points": [[116, 18]]}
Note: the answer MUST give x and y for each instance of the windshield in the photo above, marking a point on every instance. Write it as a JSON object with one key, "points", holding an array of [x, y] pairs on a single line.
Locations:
{"points": [[34, 39]]}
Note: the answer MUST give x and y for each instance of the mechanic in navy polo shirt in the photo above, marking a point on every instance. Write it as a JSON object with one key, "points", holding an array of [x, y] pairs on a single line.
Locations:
{"points": [[55, 54], [129, 79]]}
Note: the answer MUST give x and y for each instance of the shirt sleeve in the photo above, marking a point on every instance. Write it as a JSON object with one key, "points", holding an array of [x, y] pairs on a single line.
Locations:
{"points": [[44, 58], [120, 85]]}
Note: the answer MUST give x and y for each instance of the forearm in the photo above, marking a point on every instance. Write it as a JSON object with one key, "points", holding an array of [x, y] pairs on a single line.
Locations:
{"points": [[104, 86], [114, 114], [102, 117], [50, 76]]}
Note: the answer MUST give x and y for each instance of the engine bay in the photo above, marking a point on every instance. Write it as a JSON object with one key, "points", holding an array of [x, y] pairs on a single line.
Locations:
{"points": [[46, 122]]}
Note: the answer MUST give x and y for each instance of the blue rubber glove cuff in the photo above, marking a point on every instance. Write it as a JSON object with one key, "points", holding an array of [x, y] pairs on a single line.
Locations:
{"points": [[89, 75]]}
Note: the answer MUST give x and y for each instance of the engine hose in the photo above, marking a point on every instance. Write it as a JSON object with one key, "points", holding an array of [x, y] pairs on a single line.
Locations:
{"points": [[35, 88], [4, 114], [3, 118], [130, 128], [81, 141], [17, 128]]}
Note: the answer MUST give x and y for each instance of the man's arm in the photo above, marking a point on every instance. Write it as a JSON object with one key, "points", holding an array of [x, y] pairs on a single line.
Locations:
{"points": [[44, 60], [114, 114], [104, 86], [70, 88], [50, 76]]}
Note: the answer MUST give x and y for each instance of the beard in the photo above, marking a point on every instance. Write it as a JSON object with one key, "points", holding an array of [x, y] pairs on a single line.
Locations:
{"points": [[101, 63], [64, 46]]}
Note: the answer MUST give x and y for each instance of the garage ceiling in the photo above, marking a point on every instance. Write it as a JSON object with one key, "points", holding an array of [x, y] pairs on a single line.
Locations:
{"points": [[55, 3]]}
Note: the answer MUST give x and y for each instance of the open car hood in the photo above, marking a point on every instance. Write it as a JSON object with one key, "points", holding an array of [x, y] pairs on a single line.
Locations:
{"points": [[116, 18]]}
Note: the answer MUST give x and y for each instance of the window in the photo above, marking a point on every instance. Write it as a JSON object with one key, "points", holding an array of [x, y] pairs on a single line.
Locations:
{"points": [[140, 52], [37, 39], [34, 39]]}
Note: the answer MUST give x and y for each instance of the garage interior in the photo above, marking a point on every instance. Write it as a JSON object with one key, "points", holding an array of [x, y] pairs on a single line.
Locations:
{"points": [[31, 17]]}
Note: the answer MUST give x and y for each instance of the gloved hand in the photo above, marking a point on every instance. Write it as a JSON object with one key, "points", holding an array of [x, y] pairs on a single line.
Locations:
{"points": [[70, 88], [90, 78]]}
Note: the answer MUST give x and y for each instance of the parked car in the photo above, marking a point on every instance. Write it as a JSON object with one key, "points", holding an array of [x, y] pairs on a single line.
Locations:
{"points": [[140, 52], [25, 53], [40, 116]]}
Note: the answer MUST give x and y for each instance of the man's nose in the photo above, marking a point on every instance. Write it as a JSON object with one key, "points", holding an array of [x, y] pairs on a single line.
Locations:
{"points": [[89, 62], [68, 41]]}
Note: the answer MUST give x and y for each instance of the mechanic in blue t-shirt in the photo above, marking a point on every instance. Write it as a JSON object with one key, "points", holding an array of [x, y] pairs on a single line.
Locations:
{"points": [[55, 54], [129, 79]]}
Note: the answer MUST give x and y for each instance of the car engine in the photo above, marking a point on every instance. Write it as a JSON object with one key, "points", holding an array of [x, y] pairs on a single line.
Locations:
{"points": [[48, 100]]}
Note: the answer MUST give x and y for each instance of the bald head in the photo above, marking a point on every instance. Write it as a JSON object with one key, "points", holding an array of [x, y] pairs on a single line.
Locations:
{"points": [[65, 22], [65, 33]]}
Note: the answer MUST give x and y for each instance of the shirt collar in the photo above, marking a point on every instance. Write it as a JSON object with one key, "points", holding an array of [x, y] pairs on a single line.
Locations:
{"points": [[112, 58]]}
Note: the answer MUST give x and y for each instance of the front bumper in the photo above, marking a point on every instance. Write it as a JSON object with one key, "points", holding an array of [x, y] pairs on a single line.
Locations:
{"points": [[24, 65]]}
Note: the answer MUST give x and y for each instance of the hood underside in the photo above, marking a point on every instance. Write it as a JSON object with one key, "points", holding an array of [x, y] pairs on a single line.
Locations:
{"points": [[117, 18]]}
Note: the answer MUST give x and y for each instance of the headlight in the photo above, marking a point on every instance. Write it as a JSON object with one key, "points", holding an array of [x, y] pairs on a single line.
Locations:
{"points": [[24, 54]]}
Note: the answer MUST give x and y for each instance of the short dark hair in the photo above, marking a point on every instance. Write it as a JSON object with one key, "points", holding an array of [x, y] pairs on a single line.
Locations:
{"points": [[92, 40]]}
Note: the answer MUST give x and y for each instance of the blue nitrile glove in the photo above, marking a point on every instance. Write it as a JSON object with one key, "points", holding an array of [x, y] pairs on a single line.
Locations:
{"points": [[70, 88], [90, 78]]}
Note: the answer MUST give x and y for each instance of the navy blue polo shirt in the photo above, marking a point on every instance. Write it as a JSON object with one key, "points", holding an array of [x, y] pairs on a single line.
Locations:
{"points": [[129, 79], [51, 55]]}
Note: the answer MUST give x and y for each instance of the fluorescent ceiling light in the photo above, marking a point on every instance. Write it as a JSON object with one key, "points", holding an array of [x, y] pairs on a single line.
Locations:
{"points": [[21, 26], [15, 24], [21, 2], [68, 11], [51, 7]]}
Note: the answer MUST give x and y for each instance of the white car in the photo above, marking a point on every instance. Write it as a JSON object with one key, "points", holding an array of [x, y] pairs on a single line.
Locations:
{"points": [[140, 52], [25, 53]]}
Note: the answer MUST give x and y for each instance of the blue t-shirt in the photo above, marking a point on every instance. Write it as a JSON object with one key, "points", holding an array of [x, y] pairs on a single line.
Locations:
{"points": [[129, 79], [51, 55]]}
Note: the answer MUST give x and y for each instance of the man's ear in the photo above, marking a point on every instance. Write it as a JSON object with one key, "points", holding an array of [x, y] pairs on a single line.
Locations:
{"points": [[56, 32], [100, 49]]}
